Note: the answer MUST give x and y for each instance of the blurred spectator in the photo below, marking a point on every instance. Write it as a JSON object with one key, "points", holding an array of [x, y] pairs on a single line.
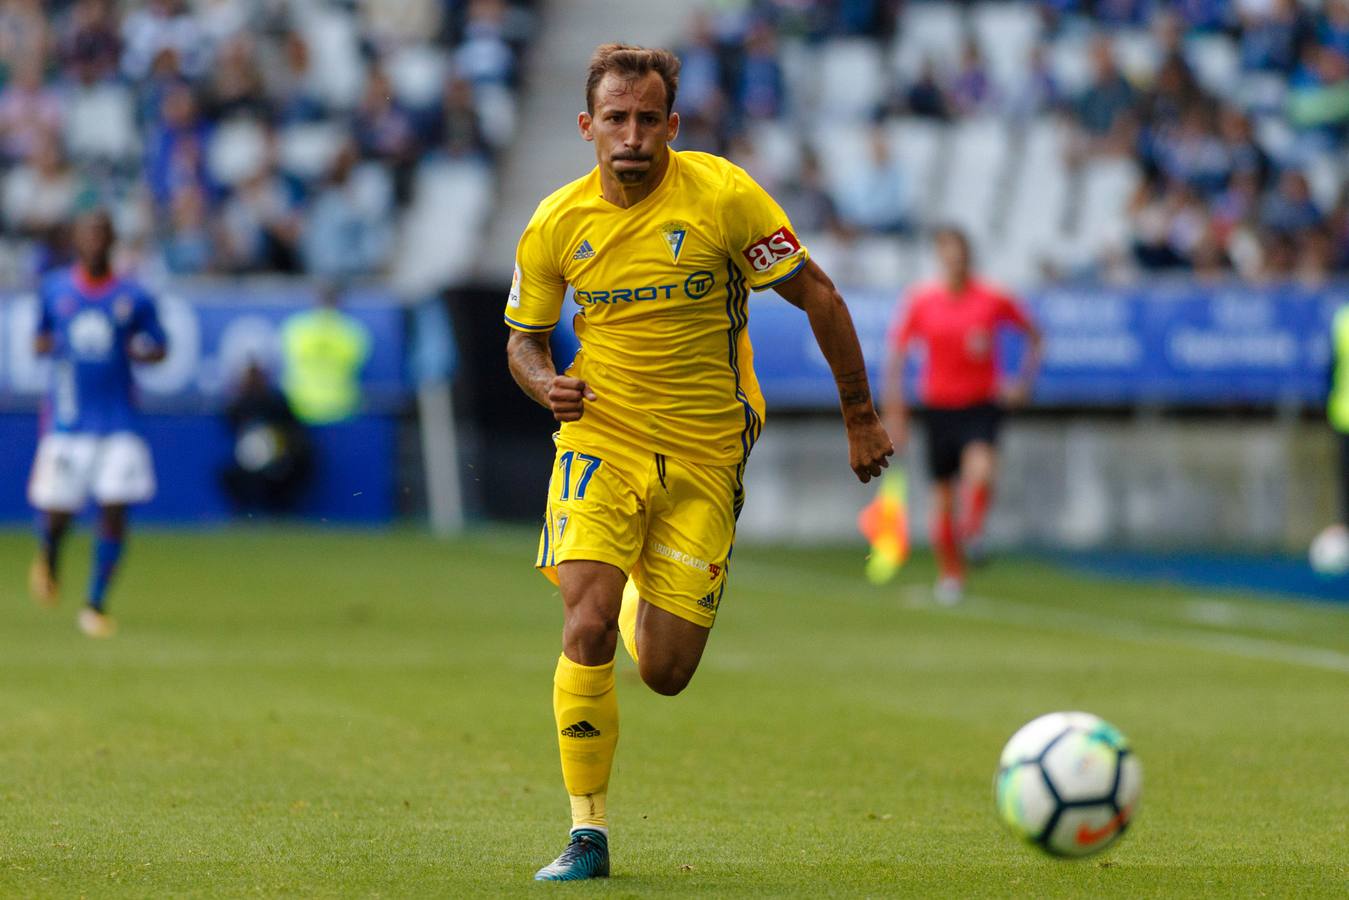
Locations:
{"points": [[324, 351], [760, 94], [272, 459], [348, 229], [29, 110], [161, 25], [24, 31], [460, 128], [189, 246], [1290, 207], [1039, 91], [972, 89], [100, 120], [261, 224], [176, 151], [89, 40], [292, 82], [926, 97], [807, 203], [384, 132], [1271, 34], [39, 196], [236, 82], [873, 194], [1108, 101]]}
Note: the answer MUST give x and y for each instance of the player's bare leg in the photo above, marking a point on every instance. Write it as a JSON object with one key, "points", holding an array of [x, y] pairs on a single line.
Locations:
{"points": [[978, 469], [93, 620], [670, 649], [43, 583], [585, 710], [946, 543]]}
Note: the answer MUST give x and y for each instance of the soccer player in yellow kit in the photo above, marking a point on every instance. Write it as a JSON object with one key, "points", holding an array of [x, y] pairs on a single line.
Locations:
{"points": [[660, 408]]}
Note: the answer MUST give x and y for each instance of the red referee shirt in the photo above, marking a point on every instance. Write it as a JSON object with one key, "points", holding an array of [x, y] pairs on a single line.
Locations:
{"points": [[960, 333]]}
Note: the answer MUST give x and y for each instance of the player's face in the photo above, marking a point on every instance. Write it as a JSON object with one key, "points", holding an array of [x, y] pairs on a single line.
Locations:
{"points": [[92, 237], [629, 128]]}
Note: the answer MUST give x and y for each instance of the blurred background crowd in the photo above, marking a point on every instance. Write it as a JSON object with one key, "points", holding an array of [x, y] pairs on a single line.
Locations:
{"points": [[240, 136], [1104, 139], [1073, 139]]}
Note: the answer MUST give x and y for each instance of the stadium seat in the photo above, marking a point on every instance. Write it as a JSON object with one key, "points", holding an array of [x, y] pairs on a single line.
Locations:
{"points": [[917, 144], [852, 77], [1006, 33], [418, 75], [238, 148], [308, 149], [1039, 190], [928, 31], [976, 159], [1137, 54], [1102, 221], [442, 230], [1215, 61]]}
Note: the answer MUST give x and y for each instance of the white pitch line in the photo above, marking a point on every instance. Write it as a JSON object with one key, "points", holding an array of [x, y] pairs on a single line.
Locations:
{"points": [[1014, 612]]}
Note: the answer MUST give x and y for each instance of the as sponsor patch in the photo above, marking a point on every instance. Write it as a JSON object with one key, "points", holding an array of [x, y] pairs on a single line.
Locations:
{"points": [[767, 252], [513, 299]]}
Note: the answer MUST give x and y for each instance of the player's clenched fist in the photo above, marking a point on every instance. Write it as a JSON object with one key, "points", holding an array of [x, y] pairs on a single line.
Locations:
{"points": [[869, 448], [567, 396]]}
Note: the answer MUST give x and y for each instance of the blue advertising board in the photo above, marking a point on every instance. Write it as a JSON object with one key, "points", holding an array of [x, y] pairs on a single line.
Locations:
{"points": [[1176, 343], [214, 330]]}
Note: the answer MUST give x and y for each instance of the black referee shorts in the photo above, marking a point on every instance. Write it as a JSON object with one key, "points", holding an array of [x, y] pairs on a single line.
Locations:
{"points": [[950, 431]]}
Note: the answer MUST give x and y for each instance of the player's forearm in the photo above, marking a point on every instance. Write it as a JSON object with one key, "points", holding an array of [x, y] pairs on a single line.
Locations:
{"points": [[837, 338], [43, 344], [531, 364]]}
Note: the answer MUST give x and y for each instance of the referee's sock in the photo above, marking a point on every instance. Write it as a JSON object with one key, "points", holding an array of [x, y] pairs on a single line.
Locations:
{"points": [[947, 545], [977, 500]]}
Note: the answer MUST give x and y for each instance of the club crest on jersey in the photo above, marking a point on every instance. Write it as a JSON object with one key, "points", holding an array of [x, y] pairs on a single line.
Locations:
{"points": [[585, 251], [122, 308], [674, 233]]}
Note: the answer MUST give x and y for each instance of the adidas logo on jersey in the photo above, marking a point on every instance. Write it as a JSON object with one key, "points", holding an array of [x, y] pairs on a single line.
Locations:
{"points": [[581, 729], [585, 251]]}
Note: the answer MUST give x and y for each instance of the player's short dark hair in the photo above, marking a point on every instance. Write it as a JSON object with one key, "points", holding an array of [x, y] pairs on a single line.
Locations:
{"points": [[630, 63]]}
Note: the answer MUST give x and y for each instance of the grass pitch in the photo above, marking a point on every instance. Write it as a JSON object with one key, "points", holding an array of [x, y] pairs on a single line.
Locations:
{"points": [[306, 713]]}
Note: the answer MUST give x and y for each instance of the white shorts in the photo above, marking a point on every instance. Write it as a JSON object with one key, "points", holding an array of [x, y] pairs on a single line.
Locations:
{"points": [[115, 469]]}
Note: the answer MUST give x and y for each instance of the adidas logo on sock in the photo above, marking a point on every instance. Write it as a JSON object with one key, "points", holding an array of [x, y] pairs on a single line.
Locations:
{"points": [[581, 729], [585, 251]]}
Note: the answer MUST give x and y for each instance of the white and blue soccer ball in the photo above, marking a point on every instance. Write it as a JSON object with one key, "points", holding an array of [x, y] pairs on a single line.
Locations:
{"points": [[1068, 783], [1329, 554]]}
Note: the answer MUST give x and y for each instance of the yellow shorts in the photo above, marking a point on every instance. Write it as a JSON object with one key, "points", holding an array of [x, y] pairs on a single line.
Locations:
{"points": [[666, 522]]}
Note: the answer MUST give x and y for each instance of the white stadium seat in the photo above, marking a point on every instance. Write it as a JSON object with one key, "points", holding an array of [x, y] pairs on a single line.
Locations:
{"points": [[852, 77], [1006, 33], [929, 31], [977, 159]]}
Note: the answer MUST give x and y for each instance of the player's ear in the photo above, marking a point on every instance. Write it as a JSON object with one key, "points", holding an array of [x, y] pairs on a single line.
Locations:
{"points": [[584, 121], [672, 127]]}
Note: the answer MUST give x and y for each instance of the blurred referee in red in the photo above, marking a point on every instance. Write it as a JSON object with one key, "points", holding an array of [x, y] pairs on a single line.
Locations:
{"points": [[956, 318]]}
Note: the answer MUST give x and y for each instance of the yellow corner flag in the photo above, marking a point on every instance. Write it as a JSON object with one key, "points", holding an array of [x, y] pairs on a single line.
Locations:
{"points": [[885, 522]]}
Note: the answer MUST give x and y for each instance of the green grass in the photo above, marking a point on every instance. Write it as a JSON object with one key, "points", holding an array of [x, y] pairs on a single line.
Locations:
{"points": [[310, 713]]}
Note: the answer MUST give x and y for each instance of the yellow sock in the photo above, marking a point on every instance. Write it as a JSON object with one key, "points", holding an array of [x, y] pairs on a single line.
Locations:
{"points": [[627, 619], [585, 707]]}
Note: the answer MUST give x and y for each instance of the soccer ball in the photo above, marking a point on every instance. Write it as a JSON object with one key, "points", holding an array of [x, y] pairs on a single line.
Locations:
{"points": [[1068, 783], [1330, 551]]}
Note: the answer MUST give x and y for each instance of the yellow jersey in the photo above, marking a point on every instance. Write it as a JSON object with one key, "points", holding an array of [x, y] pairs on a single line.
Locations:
{"points": [[662, 290]]}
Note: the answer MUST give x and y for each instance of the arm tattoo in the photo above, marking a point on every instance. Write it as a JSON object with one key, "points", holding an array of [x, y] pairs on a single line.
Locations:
{"points": [[531, 364], [854, 388]]}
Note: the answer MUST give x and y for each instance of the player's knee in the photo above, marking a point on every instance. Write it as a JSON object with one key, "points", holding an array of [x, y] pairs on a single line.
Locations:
{"points": [[668, 679], [591, 627]]}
